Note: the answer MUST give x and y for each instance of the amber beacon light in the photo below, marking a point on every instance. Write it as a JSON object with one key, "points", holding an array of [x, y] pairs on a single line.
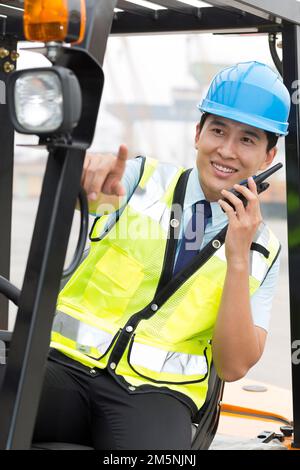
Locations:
{"points": [[54, 20]]}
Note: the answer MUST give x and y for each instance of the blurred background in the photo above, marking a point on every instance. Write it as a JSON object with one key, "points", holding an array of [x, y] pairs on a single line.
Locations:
{"points": [[152, 87]]}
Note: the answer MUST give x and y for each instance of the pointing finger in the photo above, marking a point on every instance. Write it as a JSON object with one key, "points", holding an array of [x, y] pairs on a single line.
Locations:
{"points": [[123, 153]]}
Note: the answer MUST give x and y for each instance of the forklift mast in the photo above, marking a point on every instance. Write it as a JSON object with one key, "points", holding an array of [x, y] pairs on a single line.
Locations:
{"points": [[19, 396]]}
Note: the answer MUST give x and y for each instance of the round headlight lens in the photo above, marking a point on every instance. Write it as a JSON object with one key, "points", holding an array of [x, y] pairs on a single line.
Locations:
{"points": [[39, 101]]}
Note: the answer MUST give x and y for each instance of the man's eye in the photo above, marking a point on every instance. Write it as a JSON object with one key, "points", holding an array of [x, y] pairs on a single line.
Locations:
{"points": [[217, 131], [247, 140]]}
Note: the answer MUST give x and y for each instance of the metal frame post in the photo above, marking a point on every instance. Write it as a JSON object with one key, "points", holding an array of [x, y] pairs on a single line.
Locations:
{"points": [[6, 178], [291, 75], [100, 15], [24, 373], [30, 343]]}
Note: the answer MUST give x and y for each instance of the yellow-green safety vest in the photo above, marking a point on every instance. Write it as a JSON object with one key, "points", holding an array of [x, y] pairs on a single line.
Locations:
{"points": [[110, 315]]}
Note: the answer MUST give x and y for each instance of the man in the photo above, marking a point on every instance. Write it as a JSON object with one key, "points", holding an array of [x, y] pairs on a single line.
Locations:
{"points": [[158, 298]]}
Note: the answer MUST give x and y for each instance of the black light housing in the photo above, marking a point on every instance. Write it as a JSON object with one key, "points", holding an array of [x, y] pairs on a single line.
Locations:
{"points": [[44, 101]]}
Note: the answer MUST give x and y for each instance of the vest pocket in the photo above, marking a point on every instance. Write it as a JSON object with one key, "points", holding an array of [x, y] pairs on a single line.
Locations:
{"points": [[168, 367], [114, 280]]}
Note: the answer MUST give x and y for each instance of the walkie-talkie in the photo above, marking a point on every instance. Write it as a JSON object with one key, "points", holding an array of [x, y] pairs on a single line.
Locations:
{"points": [[260, 184]]}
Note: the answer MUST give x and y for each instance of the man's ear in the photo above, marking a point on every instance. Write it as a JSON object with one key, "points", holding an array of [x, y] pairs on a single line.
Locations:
{"points": [[197, 135], [270, 155]]}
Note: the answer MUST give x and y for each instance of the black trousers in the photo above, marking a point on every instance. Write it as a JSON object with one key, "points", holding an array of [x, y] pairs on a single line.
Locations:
{"points": [[98, 412]]}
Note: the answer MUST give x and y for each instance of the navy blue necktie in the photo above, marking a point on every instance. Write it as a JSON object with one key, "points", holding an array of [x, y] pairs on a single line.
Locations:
{"points": [[193, 234]]}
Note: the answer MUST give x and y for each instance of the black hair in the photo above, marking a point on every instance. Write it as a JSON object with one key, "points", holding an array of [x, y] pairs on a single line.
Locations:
{"points": [[272, 138]]}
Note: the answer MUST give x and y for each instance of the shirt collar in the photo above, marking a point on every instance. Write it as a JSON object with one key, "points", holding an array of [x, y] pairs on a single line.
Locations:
{"points": [[194, 193]]}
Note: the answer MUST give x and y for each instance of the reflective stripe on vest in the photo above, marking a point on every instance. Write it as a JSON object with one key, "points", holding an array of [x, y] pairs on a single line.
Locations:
{"points": [[88, 340]]}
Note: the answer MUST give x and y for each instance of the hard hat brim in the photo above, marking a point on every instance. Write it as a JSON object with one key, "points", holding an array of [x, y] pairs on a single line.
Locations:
{"points": [[253, 120]]}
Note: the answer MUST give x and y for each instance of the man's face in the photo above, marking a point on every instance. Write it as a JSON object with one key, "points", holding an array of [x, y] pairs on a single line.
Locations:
{"points": [[228, 152]]}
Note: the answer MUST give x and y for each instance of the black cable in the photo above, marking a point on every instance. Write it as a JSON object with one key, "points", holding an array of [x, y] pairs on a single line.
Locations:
{"points": [[273, 51], [9, 290], [84, 224], [13, 293]]}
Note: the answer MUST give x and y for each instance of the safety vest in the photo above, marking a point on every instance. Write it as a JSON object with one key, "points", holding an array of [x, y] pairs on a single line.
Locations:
{"points": [[123, 310]]}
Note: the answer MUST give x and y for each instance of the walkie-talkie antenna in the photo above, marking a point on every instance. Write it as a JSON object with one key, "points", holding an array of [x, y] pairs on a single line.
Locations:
{"points": [[265, 174]]}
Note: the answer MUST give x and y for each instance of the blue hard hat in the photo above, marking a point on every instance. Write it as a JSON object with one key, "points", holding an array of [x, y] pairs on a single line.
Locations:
{"points": [[251, 93]]}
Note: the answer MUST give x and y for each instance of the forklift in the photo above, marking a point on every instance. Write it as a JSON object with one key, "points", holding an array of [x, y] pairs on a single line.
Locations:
{"points": [[75, 34]]}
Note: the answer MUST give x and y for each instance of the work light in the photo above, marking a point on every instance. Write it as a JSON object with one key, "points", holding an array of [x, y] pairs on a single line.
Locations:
{"points": [[44, 101], [54, 20]]}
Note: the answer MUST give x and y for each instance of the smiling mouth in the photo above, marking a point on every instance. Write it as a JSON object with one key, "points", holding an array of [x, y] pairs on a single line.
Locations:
{"points": [[224, 169]]}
